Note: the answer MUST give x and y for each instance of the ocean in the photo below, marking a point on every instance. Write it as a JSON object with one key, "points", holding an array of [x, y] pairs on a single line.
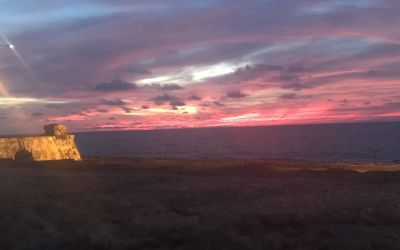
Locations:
{"points": [[356, 142]]}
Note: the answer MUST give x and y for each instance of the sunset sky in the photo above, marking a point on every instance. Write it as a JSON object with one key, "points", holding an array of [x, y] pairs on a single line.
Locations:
{"points": [[150, 64]]}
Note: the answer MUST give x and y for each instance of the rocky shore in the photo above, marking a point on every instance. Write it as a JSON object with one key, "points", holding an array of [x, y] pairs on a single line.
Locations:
{"points": [[103, 203]]}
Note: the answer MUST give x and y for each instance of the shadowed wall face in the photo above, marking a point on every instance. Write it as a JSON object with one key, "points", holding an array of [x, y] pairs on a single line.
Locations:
{"points": [[47, 147]]}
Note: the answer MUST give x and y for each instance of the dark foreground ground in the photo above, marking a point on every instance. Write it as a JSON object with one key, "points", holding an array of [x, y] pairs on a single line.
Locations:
{"points": [[202, 204]]}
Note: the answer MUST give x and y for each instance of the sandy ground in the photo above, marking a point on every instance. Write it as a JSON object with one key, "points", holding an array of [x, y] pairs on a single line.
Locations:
{"points": [[198, 204]]}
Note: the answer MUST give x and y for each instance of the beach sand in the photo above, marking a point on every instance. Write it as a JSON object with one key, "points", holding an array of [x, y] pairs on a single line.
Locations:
{"points": [[104, 203]]}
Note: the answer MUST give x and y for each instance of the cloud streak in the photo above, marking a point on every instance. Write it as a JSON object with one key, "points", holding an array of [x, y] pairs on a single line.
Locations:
{"points": [[161, 64]]}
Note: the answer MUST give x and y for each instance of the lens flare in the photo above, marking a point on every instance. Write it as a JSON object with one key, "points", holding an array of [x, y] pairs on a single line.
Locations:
{"points": [[17, 54], [3, 90]]}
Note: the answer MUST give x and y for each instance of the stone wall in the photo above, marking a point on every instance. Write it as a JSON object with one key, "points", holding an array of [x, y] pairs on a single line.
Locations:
{"points": [[40, 148]]}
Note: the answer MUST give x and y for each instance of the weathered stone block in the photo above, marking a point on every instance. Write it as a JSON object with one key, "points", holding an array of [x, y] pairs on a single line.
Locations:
{"points": [[58, 130]]}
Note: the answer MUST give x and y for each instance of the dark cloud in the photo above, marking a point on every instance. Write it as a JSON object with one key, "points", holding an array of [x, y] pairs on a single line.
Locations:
{"points": [[177, 102], [115, 86], [128, 71], [279, 72], [370, 109], [162, 99], [170, 99], [294, 96], [292, 76], [219, 104], [127, 109], [112, 102], [236, 94], [289, 96], [165, 87], [195, 98], [251, 72], [102, 110]]}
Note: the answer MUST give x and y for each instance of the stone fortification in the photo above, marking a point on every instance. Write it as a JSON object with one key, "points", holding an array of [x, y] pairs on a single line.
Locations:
{"points": [[55, 144]]}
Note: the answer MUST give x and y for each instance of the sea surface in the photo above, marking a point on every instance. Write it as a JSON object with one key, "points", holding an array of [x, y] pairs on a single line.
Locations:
{"points": [[358, 142]]}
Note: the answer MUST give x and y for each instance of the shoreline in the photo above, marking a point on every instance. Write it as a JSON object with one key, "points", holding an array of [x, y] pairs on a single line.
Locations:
{"points": [[279, 165]]}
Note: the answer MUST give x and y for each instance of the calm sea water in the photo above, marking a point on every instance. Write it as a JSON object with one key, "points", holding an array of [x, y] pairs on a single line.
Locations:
{"points": [[363, 142]]}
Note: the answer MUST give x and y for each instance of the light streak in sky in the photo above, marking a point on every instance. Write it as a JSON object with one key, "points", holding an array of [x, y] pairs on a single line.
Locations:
{"points": [[4, 90], [17, 54], [7, 99]]}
